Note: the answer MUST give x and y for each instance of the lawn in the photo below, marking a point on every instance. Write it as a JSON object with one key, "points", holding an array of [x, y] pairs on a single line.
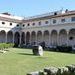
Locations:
{"points": [[21, 61]]}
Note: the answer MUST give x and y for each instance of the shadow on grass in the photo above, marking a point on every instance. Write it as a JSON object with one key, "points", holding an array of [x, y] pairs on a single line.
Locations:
{"points": [[26, 54]]}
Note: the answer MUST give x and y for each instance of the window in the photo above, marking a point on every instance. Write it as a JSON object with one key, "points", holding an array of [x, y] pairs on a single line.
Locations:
{"points": [[23, 25], [40, 23], [46, 22], [33, 24], [62, 20], [73, 19], [3, 22], [17, 25], [10, 24], [54, 21], [55, 13], [28, 24]]}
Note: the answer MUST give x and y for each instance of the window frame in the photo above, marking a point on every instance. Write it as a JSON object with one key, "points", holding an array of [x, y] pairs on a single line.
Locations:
{"points": [[17, 25], [72, 19], [23, 25], [63, 20], [39, 23], [46, 22], [54, 21], [33, 24], [3, 23], [28, 24], [10, 24]]}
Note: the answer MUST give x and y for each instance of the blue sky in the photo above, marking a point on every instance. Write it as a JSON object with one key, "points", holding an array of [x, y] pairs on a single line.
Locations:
{"points": [[34, 7]]}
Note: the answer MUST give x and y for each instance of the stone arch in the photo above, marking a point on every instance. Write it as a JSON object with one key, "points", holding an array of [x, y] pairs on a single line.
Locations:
{"points": [[72, 37], [54, 35], [17, 38], [63, 37], [39, 37], [10, 37], [46, 37], [33, 37], [23, 38], [27, 38], [2, 36]]}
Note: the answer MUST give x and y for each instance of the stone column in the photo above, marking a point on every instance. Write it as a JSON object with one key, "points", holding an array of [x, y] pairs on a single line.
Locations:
{"points": [[58, 39], [42, 36], [25, 39], [13, 38], [36, 39], [6, 38], [49, 39], [30, 39], [20, 39], [67, 38]]}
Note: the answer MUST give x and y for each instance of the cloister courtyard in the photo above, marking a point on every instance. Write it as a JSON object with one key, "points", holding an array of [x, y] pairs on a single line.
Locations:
{"points": [[18, 61]]}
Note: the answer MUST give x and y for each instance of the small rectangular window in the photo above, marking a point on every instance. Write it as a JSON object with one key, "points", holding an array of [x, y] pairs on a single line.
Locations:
{"points": [[46, 22], [33, 24], [28, 24], [62, 20], [54, 21], [23, 25], [40, 23], [73, 19]]}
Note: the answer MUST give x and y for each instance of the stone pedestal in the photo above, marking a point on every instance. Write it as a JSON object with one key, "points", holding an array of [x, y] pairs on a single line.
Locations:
{"points": [[38, 50]]}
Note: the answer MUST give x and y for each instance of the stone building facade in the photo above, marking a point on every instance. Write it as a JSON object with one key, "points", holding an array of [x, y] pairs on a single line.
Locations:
{"points": [[55, 28]]}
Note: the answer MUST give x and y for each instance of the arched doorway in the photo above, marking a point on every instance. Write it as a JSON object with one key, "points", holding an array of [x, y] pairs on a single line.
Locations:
{"points": [[39, 37], [33, 37], [10, 37], [2, 36], [17, 38], [46, 37], [54, 38], [23, 38], [63, 37], [72, 37], [27, 38]]}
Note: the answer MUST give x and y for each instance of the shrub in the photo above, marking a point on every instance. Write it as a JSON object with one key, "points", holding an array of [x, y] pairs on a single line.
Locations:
{"points": [[15, 45], [64, 48], [5, 45]]}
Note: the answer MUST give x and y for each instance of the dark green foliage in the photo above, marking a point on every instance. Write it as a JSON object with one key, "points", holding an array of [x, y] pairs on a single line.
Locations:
{"points": [[64, 48], [15, 45], [5, 45]]}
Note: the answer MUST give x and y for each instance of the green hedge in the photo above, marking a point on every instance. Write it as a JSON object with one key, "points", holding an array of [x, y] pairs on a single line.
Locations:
{"points": [[5, 45], [64, 48]]}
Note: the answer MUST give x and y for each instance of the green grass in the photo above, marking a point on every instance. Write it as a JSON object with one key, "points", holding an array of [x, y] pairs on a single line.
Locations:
{"points": [[21, 61]]}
